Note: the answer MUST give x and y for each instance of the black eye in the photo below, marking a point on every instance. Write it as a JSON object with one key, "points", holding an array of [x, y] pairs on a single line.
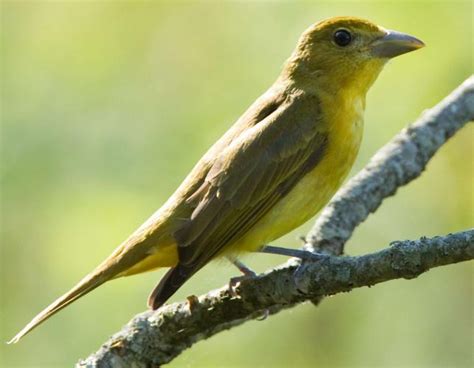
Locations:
{"points": [[342, 37]]}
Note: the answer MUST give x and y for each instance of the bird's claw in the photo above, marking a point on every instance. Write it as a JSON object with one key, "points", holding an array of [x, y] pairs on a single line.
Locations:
{"points": [[235, 281], [264, 315]]}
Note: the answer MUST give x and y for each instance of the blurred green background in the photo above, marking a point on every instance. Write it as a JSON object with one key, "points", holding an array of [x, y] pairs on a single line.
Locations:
{"points": [[107, 105]]}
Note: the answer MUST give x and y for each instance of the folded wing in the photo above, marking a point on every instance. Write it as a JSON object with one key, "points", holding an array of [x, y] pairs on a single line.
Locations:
{"points": [[246, 180]]}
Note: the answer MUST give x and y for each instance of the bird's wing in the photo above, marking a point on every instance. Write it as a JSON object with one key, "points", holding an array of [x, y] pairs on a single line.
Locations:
{"points": [[245, 181]]}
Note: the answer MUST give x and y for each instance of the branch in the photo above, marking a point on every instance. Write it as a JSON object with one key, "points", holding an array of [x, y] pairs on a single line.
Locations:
{"points": [[153, 338]]}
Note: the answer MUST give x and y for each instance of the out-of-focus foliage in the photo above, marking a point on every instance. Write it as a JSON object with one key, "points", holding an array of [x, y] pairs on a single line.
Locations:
{"points": [[107, 105]]}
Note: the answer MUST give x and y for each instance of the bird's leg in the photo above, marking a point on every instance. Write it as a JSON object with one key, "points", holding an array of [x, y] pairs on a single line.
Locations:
{"points": [[248, 273], [298, 253]]}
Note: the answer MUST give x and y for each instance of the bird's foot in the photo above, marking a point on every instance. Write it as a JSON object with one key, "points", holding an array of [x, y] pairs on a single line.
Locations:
{"points": [[247, 274], [234, 282]]}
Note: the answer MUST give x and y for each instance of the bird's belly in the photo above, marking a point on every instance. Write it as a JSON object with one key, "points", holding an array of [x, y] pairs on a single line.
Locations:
{"points": [[313, 191]]}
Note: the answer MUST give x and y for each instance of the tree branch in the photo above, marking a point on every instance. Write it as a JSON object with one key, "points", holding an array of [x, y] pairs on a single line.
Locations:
{"points": [[153, 338]]}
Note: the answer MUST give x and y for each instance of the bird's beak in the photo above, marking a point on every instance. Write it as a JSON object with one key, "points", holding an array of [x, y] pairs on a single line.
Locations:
{"points": [[394, 43]]}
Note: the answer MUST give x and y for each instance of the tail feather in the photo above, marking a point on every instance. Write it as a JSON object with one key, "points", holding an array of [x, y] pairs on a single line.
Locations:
{"points": [[169, 284], [87, 284], [130, 253]]}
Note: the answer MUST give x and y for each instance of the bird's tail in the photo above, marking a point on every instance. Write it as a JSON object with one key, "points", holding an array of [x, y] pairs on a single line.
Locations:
{"points": [[169, 284], [87, 284]]}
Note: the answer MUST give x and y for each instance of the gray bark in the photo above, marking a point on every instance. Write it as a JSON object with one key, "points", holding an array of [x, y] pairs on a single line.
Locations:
{"points": [[154, 338]]}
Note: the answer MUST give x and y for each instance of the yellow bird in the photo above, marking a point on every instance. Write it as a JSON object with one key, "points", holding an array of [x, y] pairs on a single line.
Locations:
{"points": [[270, 172]]}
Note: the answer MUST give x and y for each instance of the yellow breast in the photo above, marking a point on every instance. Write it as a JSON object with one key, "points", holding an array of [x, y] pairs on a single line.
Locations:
{"points": [[318, 186]]}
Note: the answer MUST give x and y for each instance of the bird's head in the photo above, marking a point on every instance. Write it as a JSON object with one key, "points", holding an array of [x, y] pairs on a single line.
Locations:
{"points": [[346, 52]]}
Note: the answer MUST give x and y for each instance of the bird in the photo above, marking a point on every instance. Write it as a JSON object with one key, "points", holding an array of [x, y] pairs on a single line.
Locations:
{"points": [[272, 171]]}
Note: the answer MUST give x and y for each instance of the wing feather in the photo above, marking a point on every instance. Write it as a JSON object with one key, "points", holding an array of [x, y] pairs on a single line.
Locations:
{"points": [[250, 176], [284, 140]]}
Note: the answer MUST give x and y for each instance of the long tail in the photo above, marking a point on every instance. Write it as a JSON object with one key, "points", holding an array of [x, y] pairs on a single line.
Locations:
{"points": [[133, 252], [87, 284], [120, 260]]}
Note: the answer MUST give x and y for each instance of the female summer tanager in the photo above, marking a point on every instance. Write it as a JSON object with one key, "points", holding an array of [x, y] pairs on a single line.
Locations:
{"points": [[271, 171]]}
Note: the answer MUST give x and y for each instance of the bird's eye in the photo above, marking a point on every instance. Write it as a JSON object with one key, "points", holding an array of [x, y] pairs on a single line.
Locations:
{"points": [[342, 37]]}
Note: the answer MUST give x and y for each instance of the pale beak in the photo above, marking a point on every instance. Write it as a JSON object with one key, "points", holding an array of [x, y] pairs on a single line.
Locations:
{"points": [[394, 43]]}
